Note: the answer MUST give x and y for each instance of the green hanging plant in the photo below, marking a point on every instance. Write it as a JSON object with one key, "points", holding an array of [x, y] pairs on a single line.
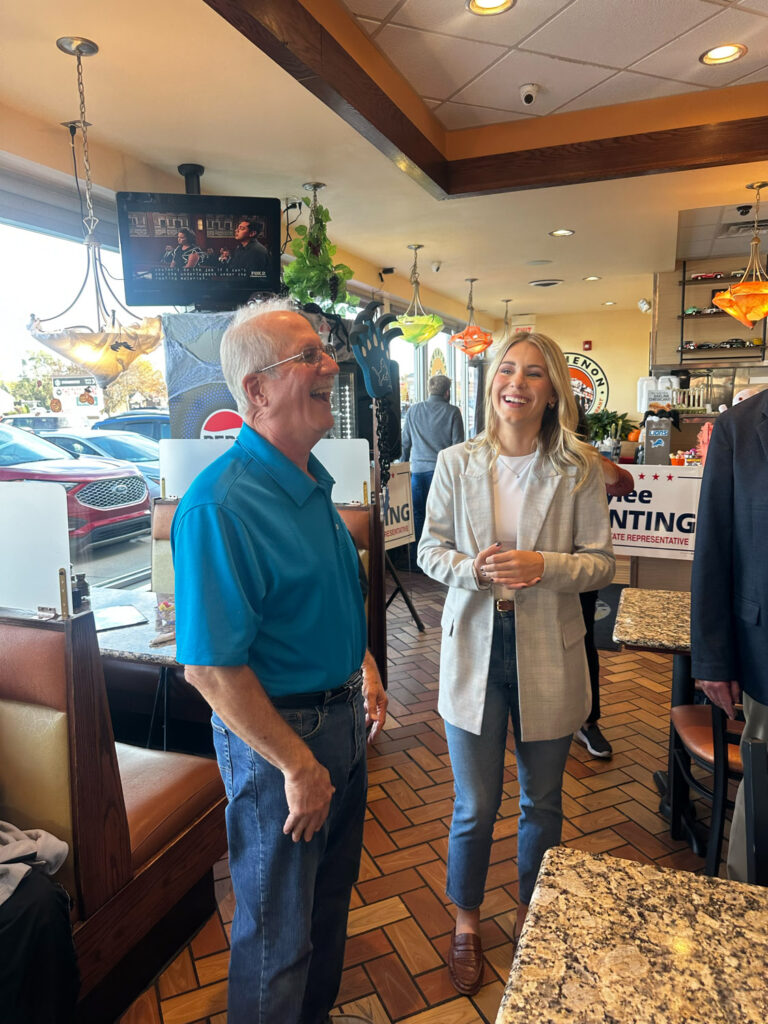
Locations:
{"points": [[313, 276]]}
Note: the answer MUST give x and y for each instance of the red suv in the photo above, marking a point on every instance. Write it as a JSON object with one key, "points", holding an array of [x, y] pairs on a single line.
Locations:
{"points": [[107, 500]]}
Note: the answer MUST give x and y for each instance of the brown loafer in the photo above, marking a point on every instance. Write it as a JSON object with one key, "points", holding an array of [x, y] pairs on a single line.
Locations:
{"points": [[465, 963]]}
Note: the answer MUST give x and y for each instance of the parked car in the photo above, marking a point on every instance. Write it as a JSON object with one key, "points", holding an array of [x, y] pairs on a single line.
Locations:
{"points": [[154, 423], [141, 451], [106, 500], [43, 421]]}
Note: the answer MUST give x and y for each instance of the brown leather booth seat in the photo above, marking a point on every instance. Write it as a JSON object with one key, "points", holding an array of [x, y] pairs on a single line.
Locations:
{"points": [[144, 827], [163, 792]]}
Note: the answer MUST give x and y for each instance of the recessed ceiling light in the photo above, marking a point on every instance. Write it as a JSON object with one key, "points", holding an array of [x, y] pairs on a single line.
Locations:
{"points": [[483, 8], [546, 282], [537, 263], [562, 232], [592, 277], [723, 54], [609, 303]]}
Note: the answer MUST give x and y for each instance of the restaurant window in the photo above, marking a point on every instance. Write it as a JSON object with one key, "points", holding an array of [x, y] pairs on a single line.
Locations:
{"points": [[42, 273]]}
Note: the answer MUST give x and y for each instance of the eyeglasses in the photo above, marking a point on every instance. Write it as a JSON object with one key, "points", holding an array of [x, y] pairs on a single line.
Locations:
{"points": [[311, 355]]}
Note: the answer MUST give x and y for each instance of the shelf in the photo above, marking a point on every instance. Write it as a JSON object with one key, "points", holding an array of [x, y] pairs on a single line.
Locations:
{"points": [[702, 316], [713, 281]]}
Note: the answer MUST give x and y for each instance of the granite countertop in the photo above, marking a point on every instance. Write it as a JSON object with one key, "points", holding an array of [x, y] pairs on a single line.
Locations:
{"points": [[610, 941], [131, 643], [658, 620]]}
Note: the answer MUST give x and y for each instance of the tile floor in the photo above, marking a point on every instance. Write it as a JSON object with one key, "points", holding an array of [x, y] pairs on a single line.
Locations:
{"points": [[400, 923]]}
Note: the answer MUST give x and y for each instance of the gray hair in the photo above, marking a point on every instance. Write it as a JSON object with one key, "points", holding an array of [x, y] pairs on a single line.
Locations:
{"points": [[246, 345], [439, 384]]}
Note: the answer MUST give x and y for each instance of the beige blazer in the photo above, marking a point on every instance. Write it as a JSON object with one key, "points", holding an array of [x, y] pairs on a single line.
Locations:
{"points": [[571, 530]]}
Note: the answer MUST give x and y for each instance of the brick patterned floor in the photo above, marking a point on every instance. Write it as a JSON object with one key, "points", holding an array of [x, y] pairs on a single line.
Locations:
{"points": [[400, 920]]}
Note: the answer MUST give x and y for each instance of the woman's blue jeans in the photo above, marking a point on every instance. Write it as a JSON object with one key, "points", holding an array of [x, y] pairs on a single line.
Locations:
{"points": [[292, 899], [478, 772]]}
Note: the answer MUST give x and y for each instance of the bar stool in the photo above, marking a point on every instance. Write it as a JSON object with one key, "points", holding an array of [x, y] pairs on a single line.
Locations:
{"points": [[702, 734]]}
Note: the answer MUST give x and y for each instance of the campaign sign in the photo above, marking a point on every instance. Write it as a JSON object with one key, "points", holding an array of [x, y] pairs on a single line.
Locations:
{"points": [[658, 518], [398, 509]]}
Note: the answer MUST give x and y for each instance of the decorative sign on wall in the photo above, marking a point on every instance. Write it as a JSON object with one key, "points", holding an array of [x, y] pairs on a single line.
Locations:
{"points": [[658, 518], [437, 363], [589, 381]]}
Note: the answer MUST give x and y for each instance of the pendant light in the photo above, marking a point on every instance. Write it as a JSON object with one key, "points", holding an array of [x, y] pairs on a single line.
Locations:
{"points": [[473, 340], [107, 349], [417, 325], [747, 301]]}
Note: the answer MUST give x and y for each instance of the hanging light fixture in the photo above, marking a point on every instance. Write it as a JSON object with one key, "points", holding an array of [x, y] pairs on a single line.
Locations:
{"points": [[747, 301], [473, 339], [506, 336], [109, 348], [417, 325]]}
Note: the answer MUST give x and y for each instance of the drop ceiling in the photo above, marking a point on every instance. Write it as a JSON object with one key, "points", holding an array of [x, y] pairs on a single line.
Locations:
{"points": [[175, 82]]}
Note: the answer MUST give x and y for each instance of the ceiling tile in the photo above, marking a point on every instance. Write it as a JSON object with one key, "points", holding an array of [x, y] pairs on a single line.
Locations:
{"points": [[371, 8], [561, 81], [453, 19], [680, 58], [761, 75], [368, 25], [435, 65], [617, 34], [464, 115], [761, 6], [626, 87]]}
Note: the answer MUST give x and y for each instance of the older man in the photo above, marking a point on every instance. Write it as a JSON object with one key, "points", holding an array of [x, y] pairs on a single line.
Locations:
{"points": [[271, 627]]}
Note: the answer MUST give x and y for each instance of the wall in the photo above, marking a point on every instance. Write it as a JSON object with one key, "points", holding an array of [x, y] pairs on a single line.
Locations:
{"points": [[620, 344]]}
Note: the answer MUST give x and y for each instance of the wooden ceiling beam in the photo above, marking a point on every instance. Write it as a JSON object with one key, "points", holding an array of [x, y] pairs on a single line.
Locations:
{"points": [[287, 33]]}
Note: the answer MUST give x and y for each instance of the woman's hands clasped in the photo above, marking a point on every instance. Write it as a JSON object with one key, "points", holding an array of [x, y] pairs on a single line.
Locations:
{"points": [[513, 569]]}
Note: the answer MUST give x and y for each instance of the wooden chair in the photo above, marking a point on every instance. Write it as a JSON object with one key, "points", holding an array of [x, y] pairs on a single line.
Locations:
{"points": [[702, 735], [755, 755], [144, 827]]}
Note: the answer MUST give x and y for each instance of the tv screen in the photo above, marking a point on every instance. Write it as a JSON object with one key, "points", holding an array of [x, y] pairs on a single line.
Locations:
{"points": [[213, 252]]}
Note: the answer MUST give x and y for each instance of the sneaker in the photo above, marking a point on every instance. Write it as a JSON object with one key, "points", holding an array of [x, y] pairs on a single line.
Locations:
{"points": [[598, 746]]}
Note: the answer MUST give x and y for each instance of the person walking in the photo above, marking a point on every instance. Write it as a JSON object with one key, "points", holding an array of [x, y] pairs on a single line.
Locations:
{"points": [[516, 527], [429, 427]]}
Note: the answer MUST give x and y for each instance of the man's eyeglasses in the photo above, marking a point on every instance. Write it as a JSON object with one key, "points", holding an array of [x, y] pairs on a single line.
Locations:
{"points": [[312, 355]]}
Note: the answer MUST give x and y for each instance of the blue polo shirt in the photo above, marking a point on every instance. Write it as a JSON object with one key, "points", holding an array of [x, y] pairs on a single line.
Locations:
{"points": [[266, 572]]}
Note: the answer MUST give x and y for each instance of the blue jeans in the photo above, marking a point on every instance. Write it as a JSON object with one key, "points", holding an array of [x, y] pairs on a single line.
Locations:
{"points": [[420, 484], [290, 920], [478, 771]]}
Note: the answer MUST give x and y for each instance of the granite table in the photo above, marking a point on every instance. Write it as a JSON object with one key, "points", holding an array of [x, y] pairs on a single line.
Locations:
{"points": [[660, 621], [131, 645], [610, 941]]}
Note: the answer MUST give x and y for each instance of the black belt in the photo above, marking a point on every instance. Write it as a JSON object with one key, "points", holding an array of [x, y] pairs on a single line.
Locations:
{"points": [[309, 700]]}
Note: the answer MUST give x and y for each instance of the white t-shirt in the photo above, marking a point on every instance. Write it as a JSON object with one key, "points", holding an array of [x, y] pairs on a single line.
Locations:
{"points": [[510, 475]]}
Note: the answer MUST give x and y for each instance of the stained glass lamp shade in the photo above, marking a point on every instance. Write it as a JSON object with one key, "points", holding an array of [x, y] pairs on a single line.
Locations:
{"points": [[416, 324], [473, 340], [747, 301]]}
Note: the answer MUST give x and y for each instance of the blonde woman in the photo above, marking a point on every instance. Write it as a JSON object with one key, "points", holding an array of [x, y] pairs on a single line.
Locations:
{"points": [[516, 526]]}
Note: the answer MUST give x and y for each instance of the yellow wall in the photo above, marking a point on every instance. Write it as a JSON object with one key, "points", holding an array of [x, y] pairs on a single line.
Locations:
{"points": [[620, 344]]}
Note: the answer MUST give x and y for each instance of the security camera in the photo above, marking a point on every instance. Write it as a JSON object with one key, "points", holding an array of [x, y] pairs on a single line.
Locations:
{"points": [[744, 210], [528, 93], [436, 267]]}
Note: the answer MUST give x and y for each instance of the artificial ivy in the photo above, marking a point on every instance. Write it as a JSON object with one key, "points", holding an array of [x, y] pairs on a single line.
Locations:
{"points": [[313, 276]]}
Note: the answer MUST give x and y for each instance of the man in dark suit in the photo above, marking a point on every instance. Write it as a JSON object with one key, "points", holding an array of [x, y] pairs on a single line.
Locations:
{"points": [[729, 607]]}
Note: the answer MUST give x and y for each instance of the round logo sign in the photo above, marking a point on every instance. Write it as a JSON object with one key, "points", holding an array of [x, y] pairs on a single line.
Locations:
{"points": [[222, 423], [588, 380]]}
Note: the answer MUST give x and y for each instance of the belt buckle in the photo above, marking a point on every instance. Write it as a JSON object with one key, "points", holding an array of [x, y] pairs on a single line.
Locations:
{"points": [[503, 605]]}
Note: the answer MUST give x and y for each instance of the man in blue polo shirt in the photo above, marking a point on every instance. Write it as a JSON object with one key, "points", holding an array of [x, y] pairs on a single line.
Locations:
{"points": [[271, 628]]}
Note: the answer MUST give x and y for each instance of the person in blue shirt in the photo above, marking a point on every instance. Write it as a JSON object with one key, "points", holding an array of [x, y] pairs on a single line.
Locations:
{"points": [[429, 427], [271, 627]]}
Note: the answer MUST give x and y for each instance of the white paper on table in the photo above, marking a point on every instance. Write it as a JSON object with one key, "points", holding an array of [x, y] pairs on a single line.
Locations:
{"points": [[34, 544]]}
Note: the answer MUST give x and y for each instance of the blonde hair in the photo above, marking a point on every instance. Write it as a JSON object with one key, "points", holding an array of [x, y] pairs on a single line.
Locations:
{"points": [[557, 440]]}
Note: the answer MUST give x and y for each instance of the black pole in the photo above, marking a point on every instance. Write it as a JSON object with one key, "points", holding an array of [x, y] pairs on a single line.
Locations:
{"points": [[191, 174]]}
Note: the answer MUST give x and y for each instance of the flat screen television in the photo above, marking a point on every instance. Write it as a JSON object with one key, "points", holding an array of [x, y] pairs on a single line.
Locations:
{"points": [[212, 252]]}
